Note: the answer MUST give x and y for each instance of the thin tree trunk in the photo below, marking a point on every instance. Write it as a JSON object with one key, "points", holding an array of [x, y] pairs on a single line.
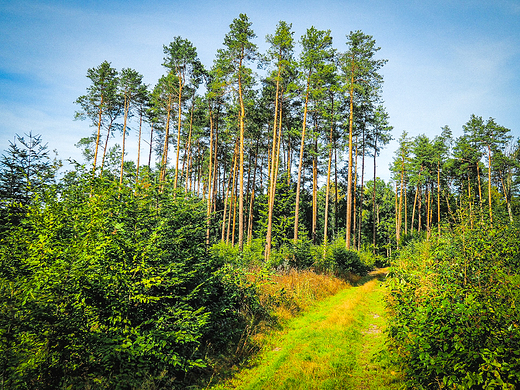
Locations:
{"points": [[241, 176], [489, 184], [179, 126], [362, 190], [396, 217], [419, 210], [215, 164], [98, 131], [438, 198], [105, 149], [336, 195], [272, 182], [415, 198], [315, 185], [139, 145], [349, 178], [151, 147], [428, 221], [327, 192], [164, 160], [187, 155], [251, 204], [508, 203], [300, 167], [479, 189], [374, 230], [126, 109], [354, 197], [210, 172], [400, 215]]}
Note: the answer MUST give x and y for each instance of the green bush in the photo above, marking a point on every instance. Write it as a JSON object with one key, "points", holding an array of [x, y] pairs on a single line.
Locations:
{"points": [[348, 261], [301, 254], [455, 305], [100, 288]]}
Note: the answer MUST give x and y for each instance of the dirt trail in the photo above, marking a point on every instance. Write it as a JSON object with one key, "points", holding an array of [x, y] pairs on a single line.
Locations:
{"points": [[337, 345]]}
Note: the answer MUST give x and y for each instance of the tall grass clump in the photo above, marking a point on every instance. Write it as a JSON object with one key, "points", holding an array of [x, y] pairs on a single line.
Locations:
{"points": [[456, 320]]}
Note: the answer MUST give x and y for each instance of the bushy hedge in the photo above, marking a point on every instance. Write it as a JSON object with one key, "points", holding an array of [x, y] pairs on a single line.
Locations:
{"points": [[455, 303], [106, 289]]}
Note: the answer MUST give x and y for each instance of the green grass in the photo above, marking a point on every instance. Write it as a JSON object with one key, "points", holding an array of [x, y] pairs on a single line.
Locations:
{"points": [[337, 345]]}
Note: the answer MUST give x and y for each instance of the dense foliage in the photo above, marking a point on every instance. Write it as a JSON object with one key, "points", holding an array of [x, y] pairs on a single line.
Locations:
{"points": [[455, 308], [107, 288]]}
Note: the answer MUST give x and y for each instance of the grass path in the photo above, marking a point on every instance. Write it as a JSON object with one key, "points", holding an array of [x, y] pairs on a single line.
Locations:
{"points": [[336, 345]]}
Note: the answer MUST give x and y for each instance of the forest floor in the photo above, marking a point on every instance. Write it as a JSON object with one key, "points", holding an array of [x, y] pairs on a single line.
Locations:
{"points": [[337, 344]]}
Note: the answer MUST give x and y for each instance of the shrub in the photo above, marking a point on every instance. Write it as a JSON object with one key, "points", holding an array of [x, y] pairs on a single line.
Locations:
{"points": [[301, 254], [454, 301], [348, 261], [112, 290]]}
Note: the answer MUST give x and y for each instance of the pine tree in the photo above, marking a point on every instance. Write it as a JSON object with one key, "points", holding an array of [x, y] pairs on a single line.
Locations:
{"points": [[360, 70], [101, 104], [239, 50]]}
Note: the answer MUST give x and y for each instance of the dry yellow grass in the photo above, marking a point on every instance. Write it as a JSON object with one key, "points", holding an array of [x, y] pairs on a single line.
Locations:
{"points": [[290, 292]]}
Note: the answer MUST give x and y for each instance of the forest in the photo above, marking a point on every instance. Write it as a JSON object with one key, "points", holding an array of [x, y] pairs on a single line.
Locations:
{"points": [[149, 273]]}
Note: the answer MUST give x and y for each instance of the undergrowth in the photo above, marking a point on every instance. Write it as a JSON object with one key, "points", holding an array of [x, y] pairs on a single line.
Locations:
{"points": [[455, 308]]}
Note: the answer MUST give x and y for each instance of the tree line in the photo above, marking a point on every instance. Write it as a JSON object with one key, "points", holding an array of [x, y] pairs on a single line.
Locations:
{"points": [[238, 138], [280, 157], [436, 179]]}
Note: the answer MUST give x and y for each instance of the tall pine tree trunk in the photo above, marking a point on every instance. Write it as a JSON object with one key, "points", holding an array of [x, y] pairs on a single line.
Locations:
{"points": [[179, 126], [349, 177], [300, 166], [272, 174], [327, 192], [125, 116]]}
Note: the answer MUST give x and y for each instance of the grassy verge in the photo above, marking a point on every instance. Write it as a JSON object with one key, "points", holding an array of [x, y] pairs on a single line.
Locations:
{"points": [[332, 346]]}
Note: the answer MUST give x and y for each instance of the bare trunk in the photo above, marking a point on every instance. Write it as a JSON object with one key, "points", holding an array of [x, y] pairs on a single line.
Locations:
{"points": [[349, 178], [98, 132], [126, 109], [164, 159], [438, 198], [489, 184], [315, 187], [151, 147], [327, 192], [139, 147], [210, 172], [179, 126], [241, 176], [272, 180], [300, 166], [362, 191], [374, 230]]}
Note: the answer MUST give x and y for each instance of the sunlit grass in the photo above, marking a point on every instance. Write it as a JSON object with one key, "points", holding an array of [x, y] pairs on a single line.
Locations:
{"points": [[332, 346]]}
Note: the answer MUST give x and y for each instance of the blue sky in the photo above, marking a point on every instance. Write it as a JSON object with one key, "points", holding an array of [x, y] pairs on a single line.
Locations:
{"points": [[447, 59]]}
